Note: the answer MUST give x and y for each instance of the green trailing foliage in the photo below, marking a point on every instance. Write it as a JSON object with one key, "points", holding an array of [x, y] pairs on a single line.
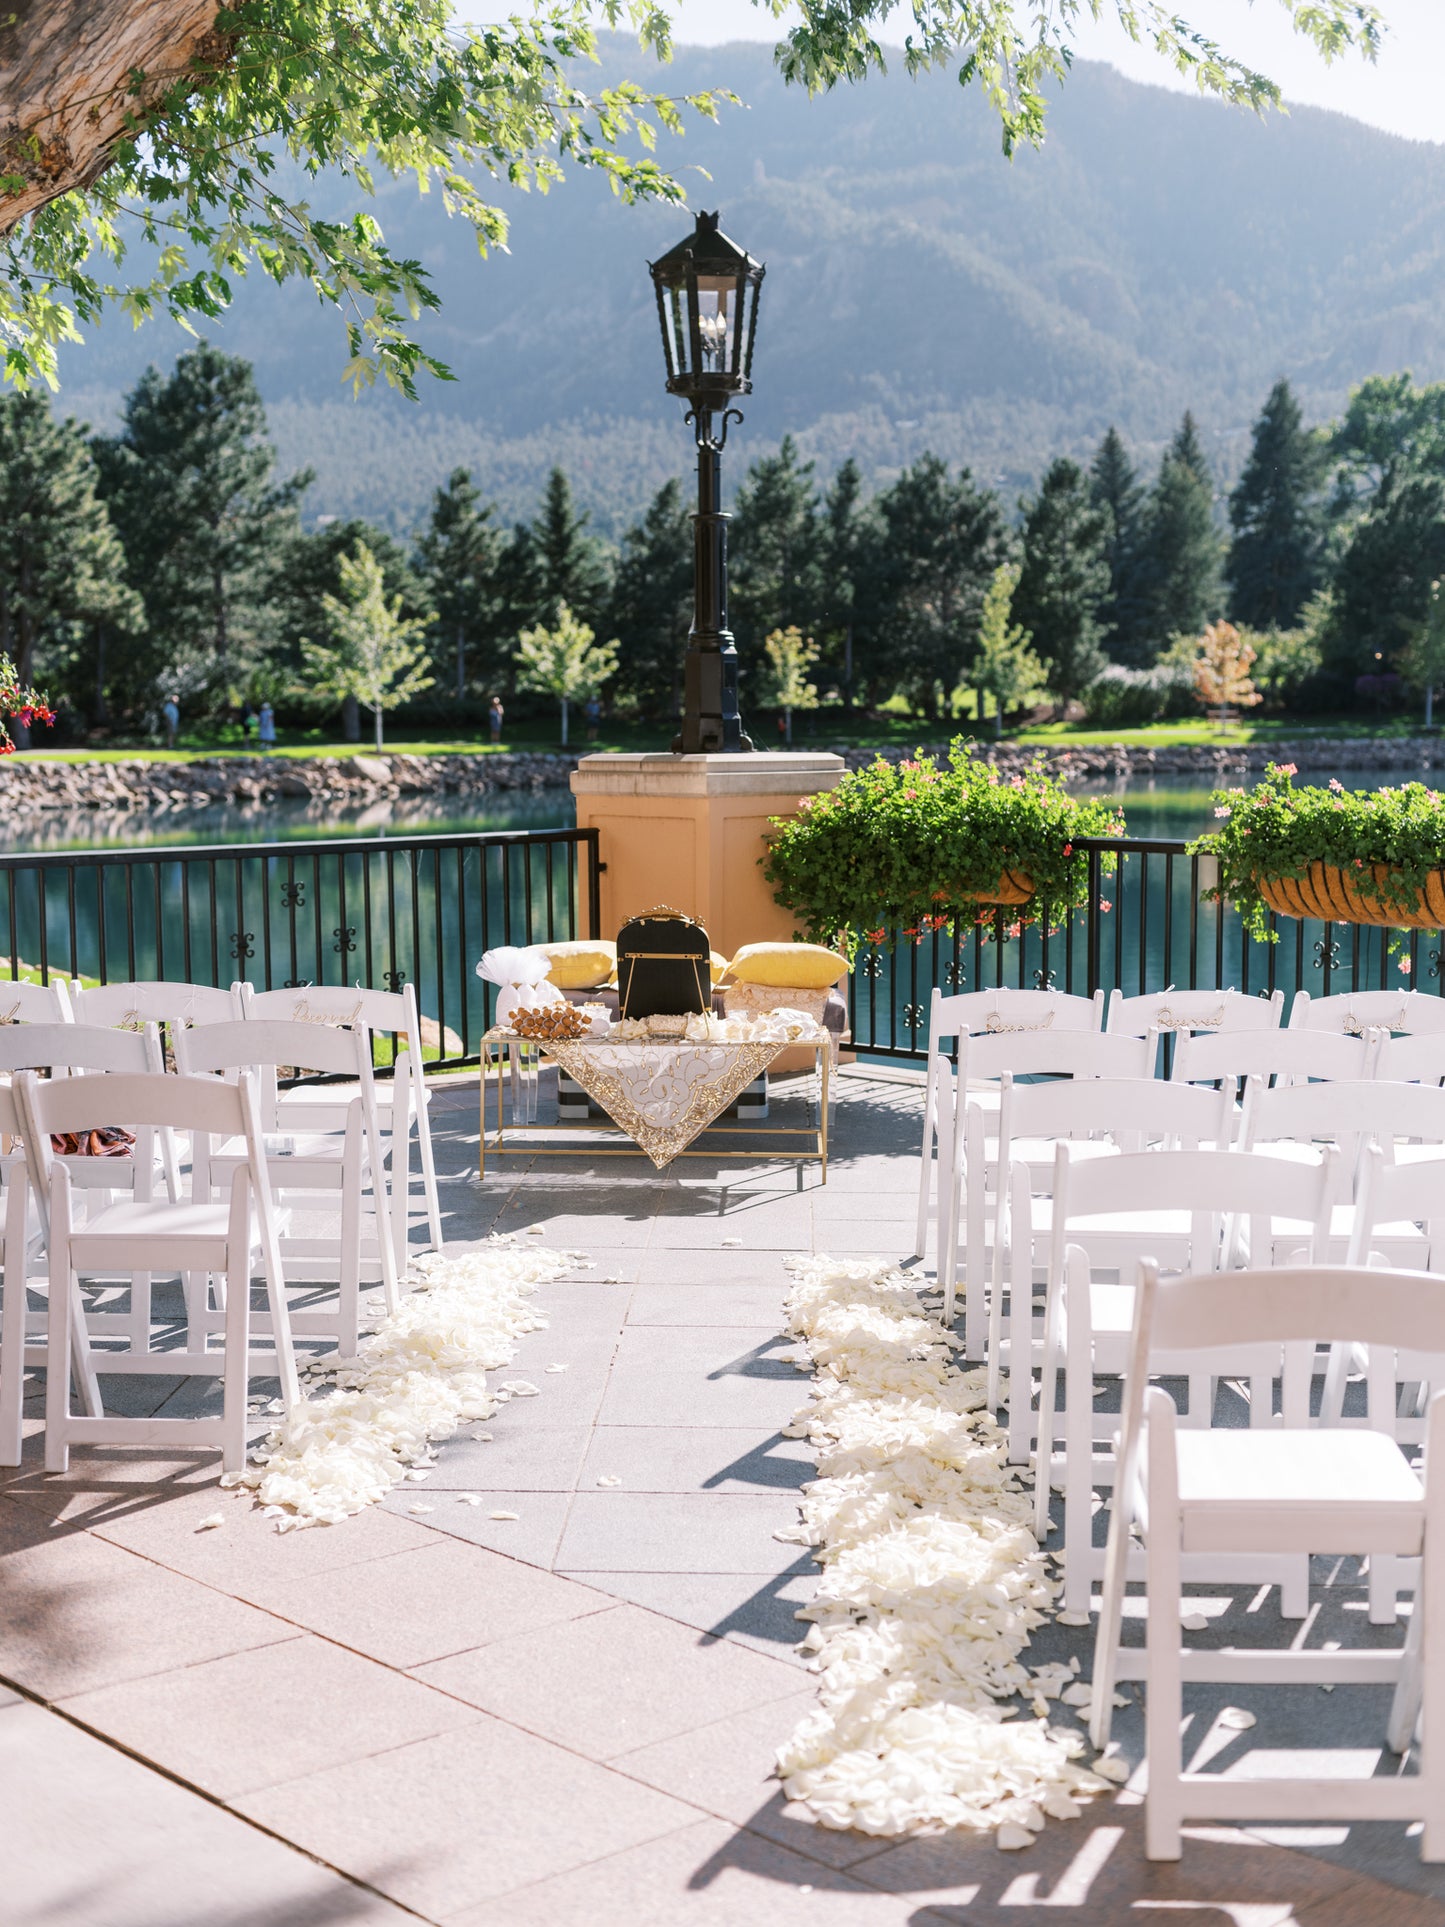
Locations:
{"points": [[921, 847], [1276, 830]]}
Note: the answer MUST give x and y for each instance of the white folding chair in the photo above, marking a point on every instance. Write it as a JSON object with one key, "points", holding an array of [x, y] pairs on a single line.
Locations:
{"points": [[1098, 1117], [1215, 1011], [1353, 1012], [1274, 1054], [339, 1166], [972, 1187], [230, 1240], [22, 1341], [401, 1104], [992, 1012], [1195, 1211], [27, 1003], [1297, 1490], [1416, 1058]]}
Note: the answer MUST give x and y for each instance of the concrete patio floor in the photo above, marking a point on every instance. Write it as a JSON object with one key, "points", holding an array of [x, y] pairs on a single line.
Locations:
{"points": [[568, 1717]]}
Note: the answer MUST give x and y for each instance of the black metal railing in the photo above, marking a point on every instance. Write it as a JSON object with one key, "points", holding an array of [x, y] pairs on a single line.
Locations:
{"points": [[375, 911], [1144, 927]]}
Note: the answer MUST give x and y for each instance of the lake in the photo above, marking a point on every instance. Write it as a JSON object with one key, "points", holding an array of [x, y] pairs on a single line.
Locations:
{"points": [[1153, 807]]}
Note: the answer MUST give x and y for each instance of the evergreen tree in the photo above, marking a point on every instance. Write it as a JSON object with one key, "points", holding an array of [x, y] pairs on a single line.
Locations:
{"points": [[1182, 545], [1124, 617], [845, 538], [1065, 578], [937, 543], [460, 555], [206, 530], [651, 603], [61, 567], [775, 564], [554, 560], [1275, 515]]}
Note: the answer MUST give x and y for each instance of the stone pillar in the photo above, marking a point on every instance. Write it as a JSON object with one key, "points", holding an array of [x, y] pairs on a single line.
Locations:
{"points": [[688, 831]]}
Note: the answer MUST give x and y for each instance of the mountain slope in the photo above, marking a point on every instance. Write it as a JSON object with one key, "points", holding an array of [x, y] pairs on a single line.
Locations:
{"points": [[922, 292]]}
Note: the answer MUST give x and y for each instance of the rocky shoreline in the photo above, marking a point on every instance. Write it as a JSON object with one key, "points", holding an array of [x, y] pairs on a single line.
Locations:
{"points": [[35, 787]]}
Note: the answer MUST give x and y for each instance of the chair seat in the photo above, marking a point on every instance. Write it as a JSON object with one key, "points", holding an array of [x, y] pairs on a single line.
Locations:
{"points": [[195, 1233], [1297, 1491], [283, 1149]]}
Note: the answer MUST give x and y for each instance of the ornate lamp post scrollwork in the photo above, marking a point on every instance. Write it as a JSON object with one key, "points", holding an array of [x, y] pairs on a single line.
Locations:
{"points": [[707, 304]]}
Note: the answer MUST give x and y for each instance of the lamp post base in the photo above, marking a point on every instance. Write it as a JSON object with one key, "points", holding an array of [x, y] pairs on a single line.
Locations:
{"points": [[710, 721]]}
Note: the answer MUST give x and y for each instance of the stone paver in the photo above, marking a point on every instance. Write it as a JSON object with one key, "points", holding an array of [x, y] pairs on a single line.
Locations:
{"points": [[570, 1716]]}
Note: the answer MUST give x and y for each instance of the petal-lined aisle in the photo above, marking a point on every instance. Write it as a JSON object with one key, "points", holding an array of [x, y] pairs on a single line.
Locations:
{"points": [[419, 1375], [932, 1583]]}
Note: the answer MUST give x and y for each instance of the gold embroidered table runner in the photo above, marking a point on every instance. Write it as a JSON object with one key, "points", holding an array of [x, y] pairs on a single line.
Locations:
{"points": [[663, 1094]]}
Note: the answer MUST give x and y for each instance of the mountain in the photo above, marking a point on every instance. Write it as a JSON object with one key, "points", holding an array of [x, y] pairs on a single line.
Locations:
{"points": [[922, 293]]}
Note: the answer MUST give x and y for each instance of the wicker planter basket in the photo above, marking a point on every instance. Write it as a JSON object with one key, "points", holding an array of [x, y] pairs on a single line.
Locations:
{"points": [[1335, 896], [1012, 889]]}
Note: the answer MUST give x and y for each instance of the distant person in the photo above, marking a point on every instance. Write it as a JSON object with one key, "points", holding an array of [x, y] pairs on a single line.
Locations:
{"points": [[495, 713], [266, 729], [593, 713], [248, 722]]}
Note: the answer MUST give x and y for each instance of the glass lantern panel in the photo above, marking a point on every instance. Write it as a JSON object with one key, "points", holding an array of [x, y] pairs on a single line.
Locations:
{"points": [[716, 319]]}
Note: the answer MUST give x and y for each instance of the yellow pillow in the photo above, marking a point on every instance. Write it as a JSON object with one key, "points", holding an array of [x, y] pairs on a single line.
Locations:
{"points": [[790, 966], [719, 965], [583, 964]]}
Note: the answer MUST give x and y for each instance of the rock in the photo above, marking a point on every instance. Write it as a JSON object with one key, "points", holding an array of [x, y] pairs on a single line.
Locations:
{"points": [[432, 1042], [374, 768]]}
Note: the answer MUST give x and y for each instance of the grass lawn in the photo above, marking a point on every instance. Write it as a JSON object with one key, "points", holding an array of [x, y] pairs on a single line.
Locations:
{"points": [[828, 730]]}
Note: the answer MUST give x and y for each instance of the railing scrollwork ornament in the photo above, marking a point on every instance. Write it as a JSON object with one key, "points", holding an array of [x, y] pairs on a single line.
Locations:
{"points": [[954, 974], [1043, 979], [871, 966], [393, 979], [914, 1016], [345, 935], [242, 945], [1327, 955], [293, 896]]}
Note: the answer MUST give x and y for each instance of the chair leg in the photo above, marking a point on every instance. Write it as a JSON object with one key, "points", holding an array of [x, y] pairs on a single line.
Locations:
{"points": [[925, 1165], [1164, 1707], [1384, 1587], [1048, 1406], [348, 1324], [236, 1375], [1405, 1703], [1430, 1609], [1078, 1458], [428, 1167], [59, 1340]]}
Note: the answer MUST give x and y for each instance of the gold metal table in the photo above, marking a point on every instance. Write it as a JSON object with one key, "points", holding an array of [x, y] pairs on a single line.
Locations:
{"points": [[662, 1093]]}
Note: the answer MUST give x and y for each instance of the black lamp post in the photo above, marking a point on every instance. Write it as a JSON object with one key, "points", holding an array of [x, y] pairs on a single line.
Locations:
{"points": [[707, 302]]}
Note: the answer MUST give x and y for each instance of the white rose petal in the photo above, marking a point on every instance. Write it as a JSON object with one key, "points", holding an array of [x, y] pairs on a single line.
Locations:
{"points": [[609, 1478], [536, 1231], [211, 1521], [1238, 1718], [731, 1244], [1009, 1838], [482, 1438], [1111, 1767], [468, 1498], [503, 1515], [421, 1508], [555, 1368], [520, 1388], [1195, 1622]]}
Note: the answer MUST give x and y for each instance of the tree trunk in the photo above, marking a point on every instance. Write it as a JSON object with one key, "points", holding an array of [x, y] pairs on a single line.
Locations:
{"points": [[788, 726], [102, 712], [1429, 705], [564, 722], [350, 720], [66, 71], [376, 713], [461, 663], [997, 718]]}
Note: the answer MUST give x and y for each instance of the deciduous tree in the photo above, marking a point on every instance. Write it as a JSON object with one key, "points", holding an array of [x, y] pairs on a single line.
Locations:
{"points": [[1005, 668], [788, 657], [564, 660], [377, 655]]}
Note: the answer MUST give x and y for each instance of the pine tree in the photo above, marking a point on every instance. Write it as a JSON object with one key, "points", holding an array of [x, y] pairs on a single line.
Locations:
{"points": [[205, 529], [554, 560], [844, 545], [1181, 555], [1276, 517], [651, 603], [1065, 578], [936, 545], [61, 567], [460, 555], [775, 555], [1124, 617]]}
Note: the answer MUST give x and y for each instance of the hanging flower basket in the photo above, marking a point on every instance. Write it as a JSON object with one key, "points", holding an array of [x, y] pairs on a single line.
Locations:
{"points": [[1372, 857], [1335, 895], [918, 847]]}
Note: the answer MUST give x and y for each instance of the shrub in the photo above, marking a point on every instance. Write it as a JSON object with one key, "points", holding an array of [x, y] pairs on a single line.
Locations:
{"points": [[921, 847], [1130, 698]]}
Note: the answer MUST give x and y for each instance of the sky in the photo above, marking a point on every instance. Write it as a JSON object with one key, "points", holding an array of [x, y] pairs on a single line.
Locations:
{"points": [[1402, 92]]}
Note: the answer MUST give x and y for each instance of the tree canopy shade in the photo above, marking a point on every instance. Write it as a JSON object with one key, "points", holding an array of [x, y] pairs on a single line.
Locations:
{"points": [[173, 120]]}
